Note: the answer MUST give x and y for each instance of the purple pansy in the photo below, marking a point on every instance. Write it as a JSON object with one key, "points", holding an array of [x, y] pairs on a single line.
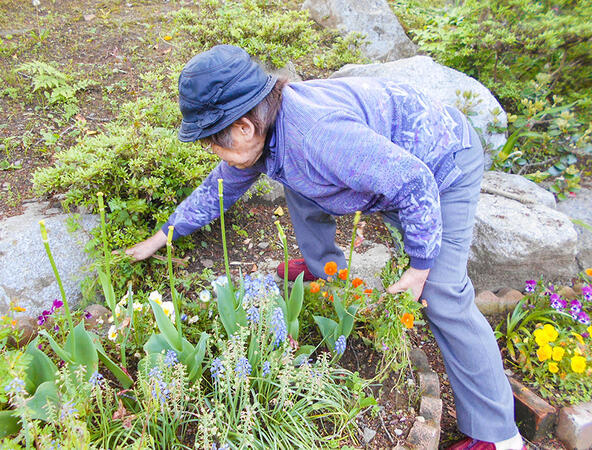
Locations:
{"points": [[583, 318], [530, 285], [557, 302], [575, 306], [587, 292]]}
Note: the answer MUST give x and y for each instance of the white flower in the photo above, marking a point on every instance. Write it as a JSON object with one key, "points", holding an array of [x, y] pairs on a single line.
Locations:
{"points": [[193, 319], [100, 321], [110, 319], [138, 306], [117, 311], [36, 3], [155, 297], [123, 300], [112, 335], [169, 309], [205, 296]]}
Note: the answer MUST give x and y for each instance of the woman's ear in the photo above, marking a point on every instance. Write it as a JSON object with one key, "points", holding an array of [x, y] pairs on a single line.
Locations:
{"points": [[245, 128]]}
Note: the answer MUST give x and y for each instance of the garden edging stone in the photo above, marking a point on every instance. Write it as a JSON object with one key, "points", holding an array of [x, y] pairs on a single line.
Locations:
{"points": [[574, 427]]}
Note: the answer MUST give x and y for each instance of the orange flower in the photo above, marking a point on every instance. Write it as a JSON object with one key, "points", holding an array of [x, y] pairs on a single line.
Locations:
{"points": [[407, 320], [330, 298], [315, 287], [356, 296], [324, 294], [589, 271], [368, 291], [357, 282], [343, 274], [331, 268]]}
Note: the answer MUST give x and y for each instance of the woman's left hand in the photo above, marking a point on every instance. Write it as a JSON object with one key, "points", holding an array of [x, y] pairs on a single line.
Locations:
{"points": [[413, 279]]}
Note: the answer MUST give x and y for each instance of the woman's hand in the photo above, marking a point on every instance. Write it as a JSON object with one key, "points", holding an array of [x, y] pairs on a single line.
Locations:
{"points": [[413, 279], [147, 248]]}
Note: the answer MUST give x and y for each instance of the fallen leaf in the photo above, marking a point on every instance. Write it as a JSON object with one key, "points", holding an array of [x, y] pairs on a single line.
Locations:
{"points": [[279, 211], [121, 411], [127, 422]]}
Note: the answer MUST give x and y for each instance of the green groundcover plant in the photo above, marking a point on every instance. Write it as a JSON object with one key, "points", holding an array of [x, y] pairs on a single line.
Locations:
{"points": [[548, 339]]}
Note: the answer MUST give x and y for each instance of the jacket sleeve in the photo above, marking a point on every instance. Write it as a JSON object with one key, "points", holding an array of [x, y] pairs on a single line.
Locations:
{"points": [[353, 156], [202, 206]]}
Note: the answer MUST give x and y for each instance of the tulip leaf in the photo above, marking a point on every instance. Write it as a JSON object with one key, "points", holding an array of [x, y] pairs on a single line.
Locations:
{"points": [[66, 356], [9, 423], [166, 327], [328, 328], [82, 348], [46, 393], [226, 309], [40, 368]]}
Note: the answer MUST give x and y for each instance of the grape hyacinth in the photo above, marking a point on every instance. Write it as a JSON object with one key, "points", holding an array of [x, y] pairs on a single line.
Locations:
{"points": [[266, 368], [259, 287], [96, 379], [278, 326], [160, 390], [340, 345], [253, 314], [170, 358], [217, 369], [68, 410], [530, 286], [15, 386], [243, 368]]}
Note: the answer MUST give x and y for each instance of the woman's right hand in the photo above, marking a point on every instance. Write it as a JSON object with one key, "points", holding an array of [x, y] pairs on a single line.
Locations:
{"points": [[147, 248]]}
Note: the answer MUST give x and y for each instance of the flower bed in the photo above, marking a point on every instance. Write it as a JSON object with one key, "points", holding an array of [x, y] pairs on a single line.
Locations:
{"points": [[161, 373]]}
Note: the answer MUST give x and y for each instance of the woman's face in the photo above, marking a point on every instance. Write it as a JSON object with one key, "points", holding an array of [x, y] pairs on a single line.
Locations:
{"points": [[247, 146]]}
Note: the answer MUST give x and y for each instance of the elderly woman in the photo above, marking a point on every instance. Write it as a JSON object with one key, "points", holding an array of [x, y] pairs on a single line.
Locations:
{"points": [[351, 144]]}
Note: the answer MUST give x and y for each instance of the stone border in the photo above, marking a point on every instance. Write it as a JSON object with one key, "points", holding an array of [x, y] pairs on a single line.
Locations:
{"points": [[536, 418], [425, 432]]}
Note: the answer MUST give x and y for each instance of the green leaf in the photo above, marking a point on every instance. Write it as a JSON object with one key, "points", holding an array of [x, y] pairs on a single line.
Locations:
{"points": [[46, 393], [125, 380], [296, 297], [226, 309], [166, 327], [303, 354], [40, 369], [9, 423], [108, 291], [80, 345], [328, 328], [66, 356], [347, 324], [157, 344], [195, 367]]}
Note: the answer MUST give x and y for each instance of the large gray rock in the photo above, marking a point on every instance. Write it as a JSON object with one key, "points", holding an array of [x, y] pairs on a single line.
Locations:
{"points": [[517, 237], [368, 262], [580, 208], [516, 187], [26, 276], [385, 37], [445, 85]]}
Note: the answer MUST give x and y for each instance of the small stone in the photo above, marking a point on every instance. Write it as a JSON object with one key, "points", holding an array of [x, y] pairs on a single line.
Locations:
{"points": [[398, 431], [99, 315], [26, 328], [369, 434], [207, 263], [263, 245], [567, 293], [420, 419], [487, 302], [509, 294]]}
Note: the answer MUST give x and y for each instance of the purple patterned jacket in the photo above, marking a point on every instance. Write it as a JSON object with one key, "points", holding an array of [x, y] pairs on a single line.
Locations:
{"points": [[352, 144]]}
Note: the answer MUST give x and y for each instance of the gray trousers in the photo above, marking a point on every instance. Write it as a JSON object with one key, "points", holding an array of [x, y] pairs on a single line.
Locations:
{"points": [[484, 400]]}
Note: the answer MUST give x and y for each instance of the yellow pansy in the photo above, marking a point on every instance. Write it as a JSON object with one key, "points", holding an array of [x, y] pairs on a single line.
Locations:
{"points": [[544, 352], [540, 337], [553, 367], [551, 332], [578, 337], [589, 330], [558, 353], [578, 364]]}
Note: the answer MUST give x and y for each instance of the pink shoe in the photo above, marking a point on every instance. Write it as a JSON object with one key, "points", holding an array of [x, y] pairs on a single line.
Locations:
{"points": [[295, 268]]}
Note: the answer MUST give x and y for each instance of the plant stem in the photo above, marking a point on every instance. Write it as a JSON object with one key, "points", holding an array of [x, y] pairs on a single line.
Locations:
{"points": [[56, 273], [221, 199], [351, 247], [174, 297], [285, 245], [106, 254]]}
